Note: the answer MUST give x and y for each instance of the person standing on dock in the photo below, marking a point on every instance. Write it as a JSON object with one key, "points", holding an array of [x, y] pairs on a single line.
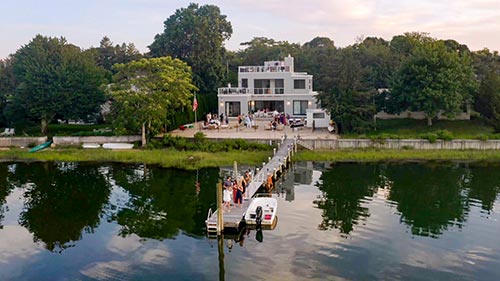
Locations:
{"points": [[228, 194], [239, 193]]}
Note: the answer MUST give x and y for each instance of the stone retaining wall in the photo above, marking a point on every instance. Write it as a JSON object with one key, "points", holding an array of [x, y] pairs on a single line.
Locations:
{"points": [[94, 139], [21, 141], [402, 144]]}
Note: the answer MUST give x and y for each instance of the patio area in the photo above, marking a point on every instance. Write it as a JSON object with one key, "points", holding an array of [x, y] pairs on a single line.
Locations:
{"points": [[258, 132]]}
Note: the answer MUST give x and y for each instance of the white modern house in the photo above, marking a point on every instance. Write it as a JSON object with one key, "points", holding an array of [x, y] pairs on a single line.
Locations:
{"points": [[275, 86]]}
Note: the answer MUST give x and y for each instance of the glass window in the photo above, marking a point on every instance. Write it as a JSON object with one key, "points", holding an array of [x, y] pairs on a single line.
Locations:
{"points": [[244, 83], [279, 85], [233, 108], [318, 116], [299, 107], [299, 84]]}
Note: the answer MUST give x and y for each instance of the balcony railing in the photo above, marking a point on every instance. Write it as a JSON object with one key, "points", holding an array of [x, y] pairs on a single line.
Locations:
{"points": [[264, 68], [257, 91]]}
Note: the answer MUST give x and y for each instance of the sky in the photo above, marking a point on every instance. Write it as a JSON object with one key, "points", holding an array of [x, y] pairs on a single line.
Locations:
{"points": [[475, 23]]}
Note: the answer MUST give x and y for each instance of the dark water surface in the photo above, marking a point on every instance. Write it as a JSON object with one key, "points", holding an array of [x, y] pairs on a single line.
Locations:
{"points": [[73, 221]]}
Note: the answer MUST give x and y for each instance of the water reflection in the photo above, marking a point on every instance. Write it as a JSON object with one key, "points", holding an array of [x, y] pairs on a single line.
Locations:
{"points": [[5, 189], [430, 198], [344, 186], [162, 201], [61, 202], [484, 185]]}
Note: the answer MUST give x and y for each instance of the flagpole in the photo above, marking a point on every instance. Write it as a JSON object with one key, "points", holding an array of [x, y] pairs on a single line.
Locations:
{"points": [[195, 113]]}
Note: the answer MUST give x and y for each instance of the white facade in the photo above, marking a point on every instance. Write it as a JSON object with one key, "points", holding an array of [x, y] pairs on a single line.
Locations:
{"points": [[318, 117], [275, 86]]}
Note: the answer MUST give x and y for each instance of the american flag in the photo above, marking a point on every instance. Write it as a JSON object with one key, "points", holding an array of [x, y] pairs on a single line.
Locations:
{"points": [[195, 103]]}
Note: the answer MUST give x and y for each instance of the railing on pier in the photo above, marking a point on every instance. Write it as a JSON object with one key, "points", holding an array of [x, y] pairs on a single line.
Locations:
{"points": [[274, 167]]}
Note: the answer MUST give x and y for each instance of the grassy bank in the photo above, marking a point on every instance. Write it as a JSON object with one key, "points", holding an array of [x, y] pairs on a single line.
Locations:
{"points": [[165, 158], [370, 155], [413, 129]]}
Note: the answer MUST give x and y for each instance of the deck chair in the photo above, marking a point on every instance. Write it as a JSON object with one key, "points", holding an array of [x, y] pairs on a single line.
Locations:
{"points": [[12, 132], [5, 132]]}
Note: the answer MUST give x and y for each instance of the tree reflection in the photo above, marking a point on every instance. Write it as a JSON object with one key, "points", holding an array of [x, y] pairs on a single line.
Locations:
{"points": [[484, 185], [5, 189], [429, 197], [343, 187], [164, 201], [61, 201]]}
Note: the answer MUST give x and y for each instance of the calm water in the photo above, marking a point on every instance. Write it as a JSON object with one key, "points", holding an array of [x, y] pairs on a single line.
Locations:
{"points": [[68, 221]]}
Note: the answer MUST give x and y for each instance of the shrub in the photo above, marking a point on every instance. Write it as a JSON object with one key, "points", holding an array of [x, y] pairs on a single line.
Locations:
{"points": [[444, 135], [200, 143], [431, 137], [482, 137]]}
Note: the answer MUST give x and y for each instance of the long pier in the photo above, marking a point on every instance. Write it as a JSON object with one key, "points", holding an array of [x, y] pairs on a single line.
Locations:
{"points": [[274, 167]]}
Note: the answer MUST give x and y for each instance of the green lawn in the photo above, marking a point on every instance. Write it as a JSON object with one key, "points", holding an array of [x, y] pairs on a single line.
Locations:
{"points": [[410, 128]]}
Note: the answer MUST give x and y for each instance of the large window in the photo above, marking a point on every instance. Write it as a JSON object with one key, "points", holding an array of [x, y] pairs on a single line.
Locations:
{"points": [[244, 83], [299, 84], [233, 108], [279, 86], [262, 86], [299, 107]]}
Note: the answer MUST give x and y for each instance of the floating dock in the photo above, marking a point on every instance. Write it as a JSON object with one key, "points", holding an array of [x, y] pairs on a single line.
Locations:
{"points": [[274, 167]]}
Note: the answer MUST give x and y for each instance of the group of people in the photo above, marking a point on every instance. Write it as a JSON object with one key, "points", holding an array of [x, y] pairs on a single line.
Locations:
{"points": [[235, 191], [247, 120]]}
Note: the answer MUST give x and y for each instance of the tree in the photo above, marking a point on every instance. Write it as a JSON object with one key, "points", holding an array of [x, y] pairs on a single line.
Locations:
{"points": [[316, 58], [350, 100], [196, 35], [148, 91], [487, 101], [54, 77], [433, 79], [107, 55], [7, 85]]}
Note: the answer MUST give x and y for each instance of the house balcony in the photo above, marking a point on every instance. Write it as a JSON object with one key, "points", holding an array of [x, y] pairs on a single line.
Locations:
{"points": [[256, 91]]}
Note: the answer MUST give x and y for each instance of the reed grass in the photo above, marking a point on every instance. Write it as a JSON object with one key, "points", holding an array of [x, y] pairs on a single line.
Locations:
{"points": [[168, 158], [374, 155]]}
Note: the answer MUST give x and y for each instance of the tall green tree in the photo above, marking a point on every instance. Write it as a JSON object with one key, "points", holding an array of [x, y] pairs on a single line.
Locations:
{"points": [[148, 91], [108, 54], [7, 86], [433, 79], [196, 35], [317, 58], [54, 77], [487, 100], [350, 100]]}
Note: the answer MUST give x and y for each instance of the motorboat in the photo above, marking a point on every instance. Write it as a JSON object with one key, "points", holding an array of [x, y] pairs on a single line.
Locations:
{"points": [[262, 212]]}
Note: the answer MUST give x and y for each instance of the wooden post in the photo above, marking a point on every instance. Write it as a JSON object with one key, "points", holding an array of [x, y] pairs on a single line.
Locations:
{"points": [[235, 170], [220, 222]]}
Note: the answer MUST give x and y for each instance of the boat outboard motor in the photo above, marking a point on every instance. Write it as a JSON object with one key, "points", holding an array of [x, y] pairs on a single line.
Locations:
{"points": [[258, 217], [259, 236]]}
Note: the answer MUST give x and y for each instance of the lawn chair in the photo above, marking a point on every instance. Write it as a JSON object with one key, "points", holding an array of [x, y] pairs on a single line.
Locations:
{"points": [[8, 132]]}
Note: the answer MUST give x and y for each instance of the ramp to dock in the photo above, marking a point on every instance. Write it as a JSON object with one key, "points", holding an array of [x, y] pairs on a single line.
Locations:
{"points": [[276, 165]]}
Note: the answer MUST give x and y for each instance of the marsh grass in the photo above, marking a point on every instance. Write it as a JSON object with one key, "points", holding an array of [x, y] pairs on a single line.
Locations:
{"points": [[168, 158], [371, 155]]}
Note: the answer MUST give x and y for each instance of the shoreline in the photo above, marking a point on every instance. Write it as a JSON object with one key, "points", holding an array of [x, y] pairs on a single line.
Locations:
{"points": [[190, 160]]}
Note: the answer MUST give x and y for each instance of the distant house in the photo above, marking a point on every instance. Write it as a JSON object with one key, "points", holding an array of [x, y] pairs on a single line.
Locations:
{"points": [[275, 86]]}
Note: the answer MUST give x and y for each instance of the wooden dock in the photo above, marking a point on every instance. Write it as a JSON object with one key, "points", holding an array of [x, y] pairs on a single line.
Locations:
{"points": [[274, 167]]}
